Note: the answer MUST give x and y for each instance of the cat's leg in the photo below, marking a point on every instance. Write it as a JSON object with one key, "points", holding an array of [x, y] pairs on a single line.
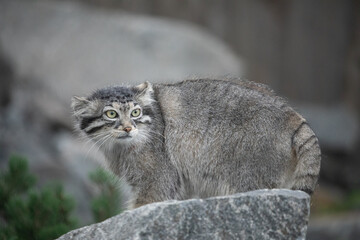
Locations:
{"points": [[157, 189]]}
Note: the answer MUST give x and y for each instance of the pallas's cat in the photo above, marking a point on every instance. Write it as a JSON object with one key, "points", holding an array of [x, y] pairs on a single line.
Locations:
{"points": [[199, 138]]}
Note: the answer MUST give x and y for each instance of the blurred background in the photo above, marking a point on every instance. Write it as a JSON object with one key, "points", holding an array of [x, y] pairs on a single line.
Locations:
{"points": [[308, 51]]}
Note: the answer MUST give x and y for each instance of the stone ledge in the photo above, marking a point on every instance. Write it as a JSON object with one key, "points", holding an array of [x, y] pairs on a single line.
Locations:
{"points": [[261, 214]]}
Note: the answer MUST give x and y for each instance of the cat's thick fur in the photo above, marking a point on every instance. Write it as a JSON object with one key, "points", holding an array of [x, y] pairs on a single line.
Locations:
{"points": [[201, 138]]}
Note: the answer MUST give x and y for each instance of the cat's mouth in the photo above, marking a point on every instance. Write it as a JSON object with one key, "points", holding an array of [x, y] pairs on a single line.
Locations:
{"points": [[124, 137]]}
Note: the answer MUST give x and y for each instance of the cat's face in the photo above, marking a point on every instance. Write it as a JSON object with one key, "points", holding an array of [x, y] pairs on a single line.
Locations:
{"points": [[116, 115]]}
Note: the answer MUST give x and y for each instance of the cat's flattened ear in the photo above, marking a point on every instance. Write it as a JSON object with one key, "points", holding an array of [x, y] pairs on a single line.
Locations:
{"points": [[144, 93], [79, 103]]}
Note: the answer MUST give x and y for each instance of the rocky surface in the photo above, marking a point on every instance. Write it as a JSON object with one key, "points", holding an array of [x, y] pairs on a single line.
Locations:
{"points": [[261, 214]]}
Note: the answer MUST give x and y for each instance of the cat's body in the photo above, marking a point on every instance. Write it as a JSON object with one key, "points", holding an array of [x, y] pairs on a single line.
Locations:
{"points": [[200, 138]]}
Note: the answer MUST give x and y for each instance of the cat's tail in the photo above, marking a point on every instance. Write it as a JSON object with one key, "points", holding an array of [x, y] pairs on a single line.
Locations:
{"points": [[306, 151]]}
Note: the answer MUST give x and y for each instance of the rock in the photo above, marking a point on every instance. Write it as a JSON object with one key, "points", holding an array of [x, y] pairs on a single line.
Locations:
{"points": [[261, 214], [61, 49]]}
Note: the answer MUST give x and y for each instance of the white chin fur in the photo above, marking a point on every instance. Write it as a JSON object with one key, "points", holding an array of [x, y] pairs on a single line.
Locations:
{"points": [[134, 137]]}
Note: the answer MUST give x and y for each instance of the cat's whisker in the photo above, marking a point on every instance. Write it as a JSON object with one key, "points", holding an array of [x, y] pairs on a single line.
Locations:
{"points": [[148, 138], [153, 132], [88, 140], [91, 140], [105, 139], [156, 138], [96, 142]]}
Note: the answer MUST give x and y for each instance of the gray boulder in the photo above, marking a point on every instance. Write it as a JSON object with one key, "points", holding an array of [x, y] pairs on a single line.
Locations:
{"points": [[261, 214], [60, 49]]}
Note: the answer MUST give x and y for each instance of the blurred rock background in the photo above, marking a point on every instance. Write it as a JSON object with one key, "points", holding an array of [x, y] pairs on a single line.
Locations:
{"points": [[308, 51]]}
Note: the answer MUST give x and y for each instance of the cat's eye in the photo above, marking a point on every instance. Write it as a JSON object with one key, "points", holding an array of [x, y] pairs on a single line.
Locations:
{"points": [[136, 112], [111, 114]]}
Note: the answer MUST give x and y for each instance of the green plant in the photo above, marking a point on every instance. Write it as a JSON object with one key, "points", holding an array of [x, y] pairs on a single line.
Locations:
{"points": [[348, 203], [30, 213], [351, 202], [27, 213], [16, 180], [108, 202]]}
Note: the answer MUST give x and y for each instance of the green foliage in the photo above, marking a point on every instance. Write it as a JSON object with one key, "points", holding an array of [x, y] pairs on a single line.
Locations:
{"points": [[16, 180], [108, 203], [30, 213], [26, 213], [349, 203]]}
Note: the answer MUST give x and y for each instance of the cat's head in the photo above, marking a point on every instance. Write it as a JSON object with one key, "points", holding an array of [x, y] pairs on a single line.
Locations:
{"points": [[115, 114]]}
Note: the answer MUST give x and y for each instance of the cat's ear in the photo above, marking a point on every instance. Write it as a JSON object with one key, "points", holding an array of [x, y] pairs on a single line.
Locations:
{"points": [[144, 93], [79, 105]]}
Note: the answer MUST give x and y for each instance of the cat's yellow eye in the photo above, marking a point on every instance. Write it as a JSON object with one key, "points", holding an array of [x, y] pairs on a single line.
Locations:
{"points": [[136, 112], [111, 114]]}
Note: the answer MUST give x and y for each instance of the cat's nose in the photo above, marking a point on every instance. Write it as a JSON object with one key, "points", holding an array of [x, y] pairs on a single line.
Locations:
{"points": [[127, 129]]}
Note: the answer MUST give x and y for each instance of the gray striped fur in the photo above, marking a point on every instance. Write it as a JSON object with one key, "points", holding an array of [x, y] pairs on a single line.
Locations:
{"points": [[202, 138]]}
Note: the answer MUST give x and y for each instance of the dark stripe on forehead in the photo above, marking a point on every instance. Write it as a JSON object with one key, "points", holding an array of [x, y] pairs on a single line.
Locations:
{"points": [[113, 94], [85, 122], [124, 107], [121, 105]]}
